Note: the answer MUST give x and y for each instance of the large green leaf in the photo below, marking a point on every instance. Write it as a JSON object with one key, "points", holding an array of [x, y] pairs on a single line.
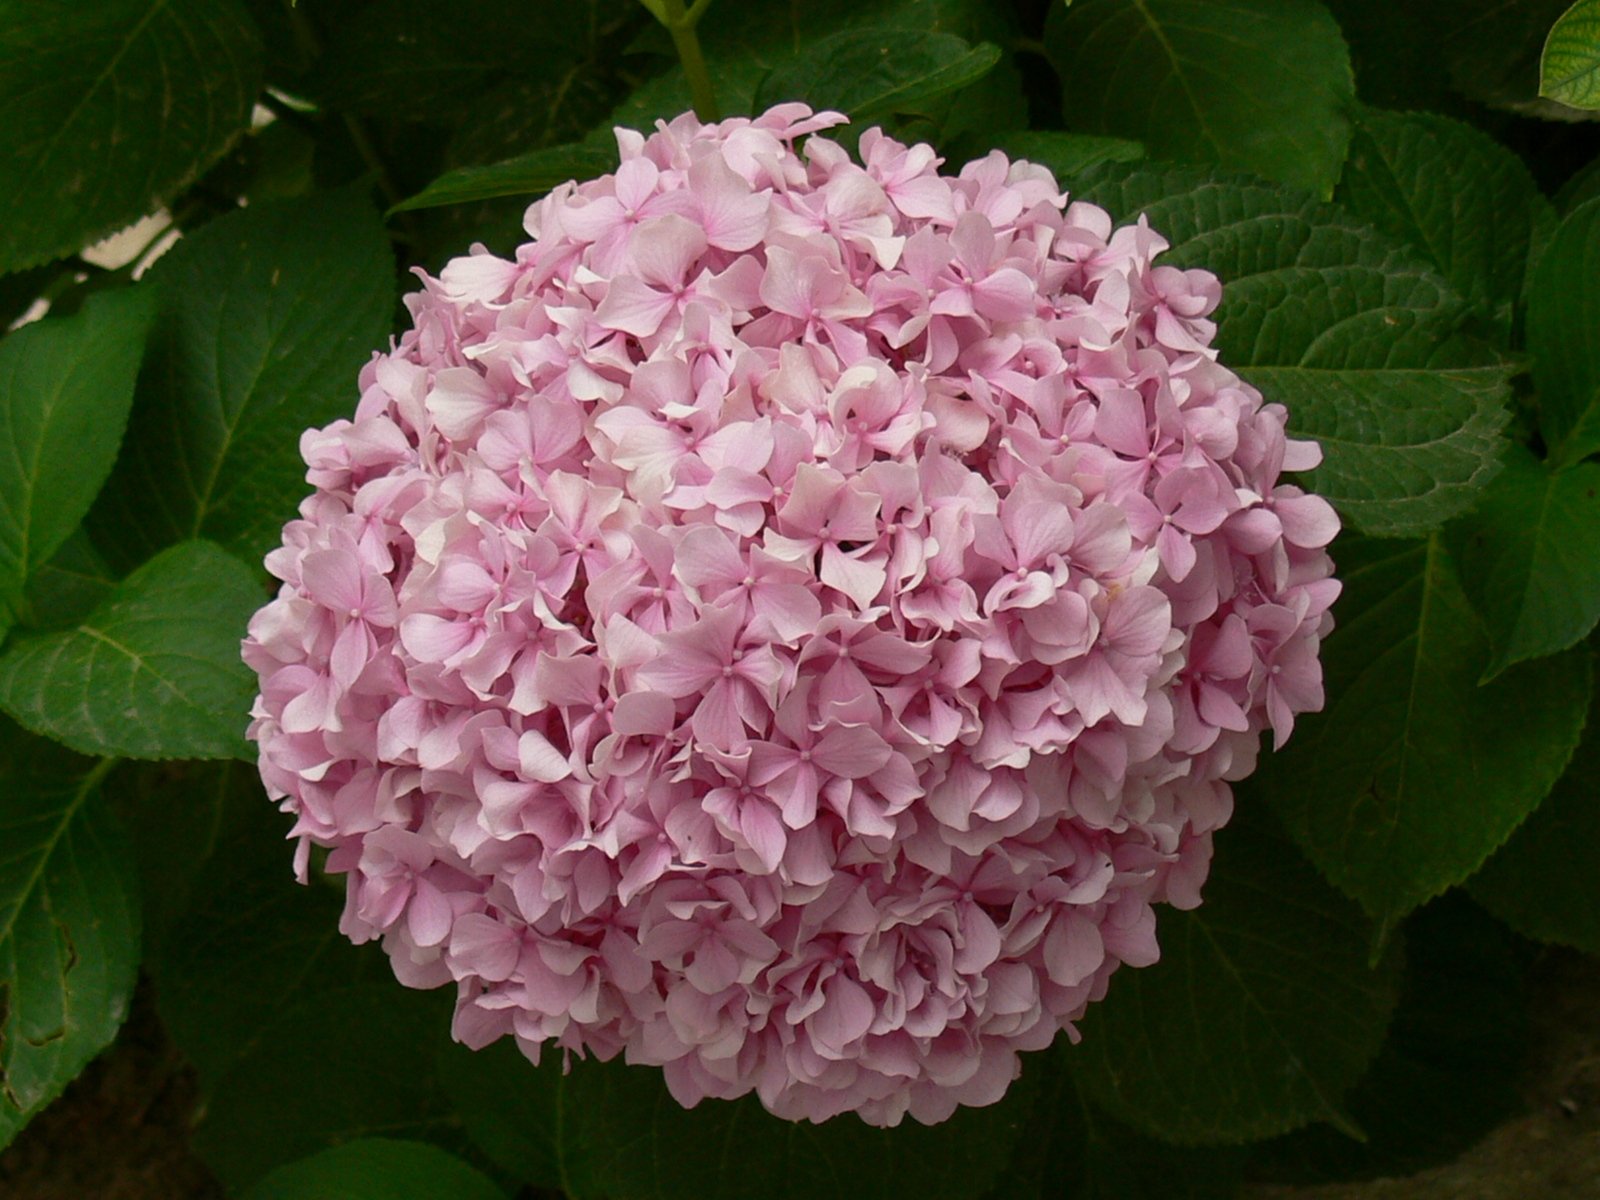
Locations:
{"points": [[1564, 336], [1569, 68], [1542, 882], [609, 1129], [418, 60], [69, 923], [69, 587], [153, 672], [262, 992], [1530, 558], [178, 816], [377, 1169], [743, 44], [1261, 1013], [773, 32], [1068, 155], [528, 174], [267, 316], [1414, 774], [1448, 1070], [66, 385], [1070, 1148], [1455, 195], [871, 74], [109, 108], [1351, 331], [1252, 85]]}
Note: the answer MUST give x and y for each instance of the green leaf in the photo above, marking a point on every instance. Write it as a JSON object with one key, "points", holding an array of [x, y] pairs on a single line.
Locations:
{"points": [[66, 385], [742, 42], [178, 816], [153, 672], [1071, 1148], [1581, 186], [266, 317], [1530, 558], [377, 1169], [262, 992], [1464, 202], [1569, 68], [1252, 85], [772, 33], [70, 586], [1414, 774], [1068, 155], [530, 174], [1564, 336], [614, 1130], [1351, 331], [1429, 53], [19, 290], [742, 46], [108, 109], [1448, 1071], [69, 923], [872, 74], [1542, 882], [376, 63], [1261, 1013]]}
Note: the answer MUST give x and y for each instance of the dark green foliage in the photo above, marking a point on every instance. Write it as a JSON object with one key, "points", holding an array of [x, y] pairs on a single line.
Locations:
{"points": [[1411, 261], [153, 671], [1261, 1014], [66, 385], [1542, 882], [1353, 331], [1417, 771], [606, 1129], [1251, 85], [109, 109], [265, 317], [69, 922], [376, 1169], [1564, 338], [1450, 1066]]}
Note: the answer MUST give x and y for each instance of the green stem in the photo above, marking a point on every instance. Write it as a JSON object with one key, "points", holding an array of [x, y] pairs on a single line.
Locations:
{"points": [[369, 155], [680, 23]]}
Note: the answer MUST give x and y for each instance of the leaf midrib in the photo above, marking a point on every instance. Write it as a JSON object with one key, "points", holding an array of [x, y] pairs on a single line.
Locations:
{"points": [[64, 128], [84, 789], [1160, 34], [1429, 565]]}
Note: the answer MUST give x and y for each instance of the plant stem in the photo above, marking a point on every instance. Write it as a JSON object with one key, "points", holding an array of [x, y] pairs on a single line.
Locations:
{"points": [[680, 24]]}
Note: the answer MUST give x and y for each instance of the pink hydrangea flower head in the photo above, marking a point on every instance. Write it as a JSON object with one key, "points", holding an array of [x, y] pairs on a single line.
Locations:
{"points": [[791, 622]]}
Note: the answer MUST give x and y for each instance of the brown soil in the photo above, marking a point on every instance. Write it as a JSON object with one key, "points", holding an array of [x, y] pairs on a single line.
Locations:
{"points": [[120, 1131]]}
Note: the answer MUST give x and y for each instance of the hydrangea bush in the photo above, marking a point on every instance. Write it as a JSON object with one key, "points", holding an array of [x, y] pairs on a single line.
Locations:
{"points": [[778, 617], [791, 621]]}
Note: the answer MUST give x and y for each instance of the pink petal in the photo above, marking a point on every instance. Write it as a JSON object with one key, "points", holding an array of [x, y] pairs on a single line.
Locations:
{"points": [[432, 639], [633, 306], [333, 579], [663, 250], [851, 751]]}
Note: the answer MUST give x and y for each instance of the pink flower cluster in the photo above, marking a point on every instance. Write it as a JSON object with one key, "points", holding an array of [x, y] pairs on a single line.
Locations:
{"points": [[791, 623]]}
